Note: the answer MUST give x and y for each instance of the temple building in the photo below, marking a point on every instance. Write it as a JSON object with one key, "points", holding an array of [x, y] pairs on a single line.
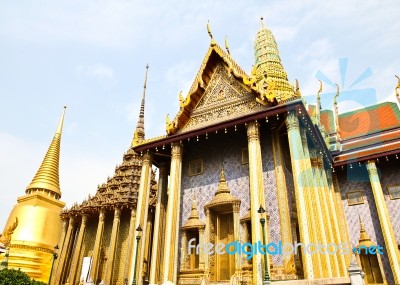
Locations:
{"points": [[33, 228], [245, 161]]}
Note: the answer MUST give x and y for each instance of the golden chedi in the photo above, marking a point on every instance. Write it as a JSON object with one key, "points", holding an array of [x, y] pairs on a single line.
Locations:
{"points": [[34, 226]]}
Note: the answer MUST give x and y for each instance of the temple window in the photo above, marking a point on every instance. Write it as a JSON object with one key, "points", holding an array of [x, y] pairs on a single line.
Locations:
{"points": [[355, 198], [245, 156], [196, 167], [394, 191]]}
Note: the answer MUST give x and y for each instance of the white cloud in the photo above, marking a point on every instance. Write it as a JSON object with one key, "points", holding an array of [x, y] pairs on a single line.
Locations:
{"points": [[97, 71]]}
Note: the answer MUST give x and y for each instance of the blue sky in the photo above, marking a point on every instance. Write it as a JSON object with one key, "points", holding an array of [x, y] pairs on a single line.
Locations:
{"points": [[91, 56]]}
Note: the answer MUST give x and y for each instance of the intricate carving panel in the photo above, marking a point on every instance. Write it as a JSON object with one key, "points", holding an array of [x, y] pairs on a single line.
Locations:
{"points": [[225, 98]]}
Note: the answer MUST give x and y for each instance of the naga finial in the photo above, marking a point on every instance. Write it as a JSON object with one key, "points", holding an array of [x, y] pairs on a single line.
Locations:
{"points": [[337, 94], [297, 89], [320, 89], [397, 87], [398, 82], [226, 45], [210, 34]]}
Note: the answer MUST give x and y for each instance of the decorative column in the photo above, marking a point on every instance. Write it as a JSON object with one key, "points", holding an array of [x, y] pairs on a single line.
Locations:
{"points": [[296, 155], [170, 258], [159, 223], [320, 263], [141, 214], [334, 214], [343, 229], [327, 213], [236, 236], [284, 213], [207, 267], [77, 251], [131, 237], [257, 196], [184, 253], [384, 221], [97, 246], [65, 221], [202, 255], [113, 244], [147, 245], [65, 249]]}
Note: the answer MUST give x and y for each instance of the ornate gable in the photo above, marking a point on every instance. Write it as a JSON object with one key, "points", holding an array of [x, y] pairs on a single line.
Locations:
{"points": [[224, 98]]}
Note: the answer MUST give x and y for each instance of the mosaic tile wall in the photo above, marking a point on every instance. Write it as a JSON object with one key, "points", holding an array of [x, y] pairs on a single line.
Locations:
{"points": [[88, 241], [228, 147], [356, 179], [391, 176], [121, 258]]}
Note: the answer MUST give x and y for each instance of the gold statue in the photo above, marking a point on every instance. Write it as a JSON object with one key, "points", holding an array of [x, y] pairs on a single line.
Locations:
{"points": [[6, 237]]}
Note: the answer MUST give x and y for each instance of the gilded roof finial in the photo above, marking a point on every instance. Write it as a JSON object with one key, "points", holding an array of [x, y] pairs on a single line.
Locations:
{"points": [[210, 34], [139, 132], [336, 111], [297, 89], [262, 22], [226, 45], [47, 177], [318, 108], [397, 88]]}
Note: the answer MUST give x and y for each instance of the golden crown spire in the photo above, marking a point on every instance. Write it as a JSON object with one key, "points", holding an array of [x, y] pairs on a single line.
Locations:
{"points": [[139, 132], [47, 177], [270, 75]]}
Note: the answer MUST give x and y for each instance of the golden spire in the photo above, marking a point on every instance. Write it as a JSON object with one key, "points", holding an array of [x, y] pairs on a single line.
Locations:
{"points": [[194, 214], [194, 220], [364, 237], [269, 67], [139, 132], [47, 176], [222, 186]]}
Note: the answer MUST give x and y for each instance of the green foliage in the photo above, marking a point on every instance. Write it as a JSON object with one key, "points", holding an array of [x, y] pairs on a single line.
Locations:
{"points": [[16, 277]]}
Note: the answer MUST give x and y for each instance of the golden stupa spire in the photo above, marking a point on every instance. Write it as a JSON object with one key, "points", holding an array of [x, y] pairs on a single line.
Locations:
{"points": [[139, 132], [47, 177], [271, 77]]}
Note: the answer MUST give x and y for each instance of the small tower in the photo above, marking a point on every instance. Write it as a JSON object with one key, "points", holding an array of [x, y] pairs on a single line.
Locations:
{"points": [[34, 224]]}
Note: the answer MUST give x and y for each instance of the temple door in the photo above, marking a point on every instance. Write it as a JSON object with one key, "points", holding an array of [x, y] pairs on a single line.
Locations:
{"points": [[225, 262]]}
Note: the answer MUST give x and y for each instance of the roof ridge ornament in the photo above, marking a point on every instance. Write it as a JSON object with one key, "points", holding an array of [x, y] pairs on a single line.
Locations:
{"points": [[397, 88], [227, 46], [213, 43], [336, 111], [318, 107]]}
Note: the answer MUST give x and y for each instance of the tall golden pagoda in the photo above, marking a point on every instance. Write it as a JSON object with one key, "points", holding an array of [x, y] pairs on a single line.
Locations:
{"points": [[34, 225]]}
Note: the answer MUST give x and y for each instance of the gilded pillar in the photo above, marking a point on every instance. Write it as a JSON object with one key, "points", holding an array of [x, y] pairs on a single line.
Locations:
{"points": [[236, 236], [65, 250], [131, 237], [113, 244], [327, 213], [170, 257], [207, 240], [159, 223], [65, 221], [257, 196], [149, 231], [343, 229], [284, 213], [384, 221], [141, 215], [334, 215], [77, 252], [314, 224], [296, 155], [97, 246]]}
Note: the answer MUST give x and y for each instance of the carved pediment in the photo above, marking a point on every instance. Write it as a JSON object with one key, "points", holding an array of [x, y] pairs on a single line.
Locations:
{"points": [[225, 98]]}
